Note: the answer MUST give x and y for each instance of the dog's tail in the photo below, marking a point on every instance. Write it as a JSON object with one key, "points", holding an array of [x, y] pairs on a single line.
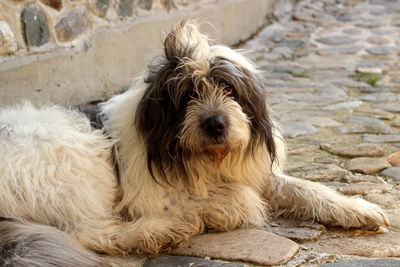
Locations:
{"points": [[33, 245]]}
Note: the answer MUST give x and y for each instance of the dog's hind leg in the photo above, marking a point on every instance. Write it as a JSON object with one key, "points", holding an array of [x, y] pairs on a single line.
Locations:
{"points": [[289, 196]]}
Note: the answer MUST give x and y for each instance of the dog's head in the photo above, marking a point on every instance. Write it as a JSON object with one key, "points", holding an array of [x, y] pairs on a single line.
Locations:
{"points": [[202, 102]]}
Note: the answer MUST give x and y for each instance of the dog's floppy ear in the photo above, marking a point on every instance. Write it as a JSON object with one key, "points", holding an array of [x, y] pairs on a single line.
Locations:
{"points": [[161, 110], [231, 68], [186, 42]]}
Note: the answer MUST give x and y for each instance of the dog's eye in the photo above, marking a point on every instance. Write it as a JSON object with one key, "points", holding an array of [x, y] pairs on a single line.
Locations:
{"points": [[228, 91]]}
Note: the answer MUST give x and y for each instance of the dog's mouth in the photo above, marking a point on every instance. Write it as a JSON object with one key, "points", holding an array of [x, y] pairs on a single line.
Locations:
{"points": [[216, 153]]}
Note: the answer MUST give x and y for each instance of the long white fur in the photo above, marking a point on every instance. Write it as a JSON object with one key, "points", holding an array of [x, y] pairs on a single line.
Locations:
{"points": [[56, 170]]}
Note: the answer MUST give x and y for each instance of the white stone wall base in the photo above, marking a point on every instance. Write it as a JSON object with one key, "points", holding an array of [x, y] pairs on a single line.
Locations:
{"points": [[98, 68]]}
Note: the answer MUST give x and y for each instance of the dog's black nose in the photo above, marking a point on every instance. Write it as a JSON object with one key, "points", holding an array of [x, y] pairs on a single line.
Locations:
{"points": [[214, 126]]}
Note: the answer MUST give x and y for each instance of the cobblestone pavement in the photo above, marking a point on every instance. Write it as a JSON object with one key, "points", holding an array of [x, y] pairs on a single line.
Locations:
{"points": [[334, 79]]}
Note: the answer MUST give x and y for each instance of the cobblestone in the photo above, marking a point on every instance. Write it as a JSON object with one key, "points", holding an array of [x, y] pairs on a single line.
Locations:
{"points": [[296, 230], [363, 188], [365, 263], [376, 113], [336, 40], [394, 159], [359, 150], [367, 165], [8, 44], [72, 25], [348, 51], [364, 120], [35, 26], [381, 50], [393, 172], [294, 129], [242, 245], [370, 129], [378, 97], [317, 171], [172, 261], [391, 107], [344, 105], [392, 138]]}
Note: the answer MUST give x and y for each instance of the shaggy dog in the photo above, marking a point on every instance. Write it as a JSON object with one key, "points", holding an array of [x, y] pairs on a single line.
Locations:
{"points": [[189, 149]]}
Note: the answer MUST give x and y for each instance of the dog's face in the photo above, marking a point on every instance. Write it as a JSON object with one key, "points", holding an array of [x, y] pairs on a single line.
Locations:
{"points": [[202, 102]]}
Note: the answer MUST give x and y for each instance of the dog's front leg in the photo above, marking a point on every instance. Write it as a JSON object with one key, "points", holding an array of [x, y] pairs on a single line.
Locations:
{"points": [[233, 206], [151, 235], [298, 198]]}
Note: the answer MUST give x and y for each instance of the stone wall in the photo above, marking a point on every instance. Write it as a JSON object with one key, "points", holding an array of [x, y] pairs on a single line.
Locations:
{"points": [[41, 25], [75, 51]]}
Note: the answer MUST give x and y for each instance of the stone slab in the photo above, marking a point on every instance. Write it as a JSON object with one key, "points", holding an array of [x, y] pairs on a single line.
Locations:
{"points": [[358, 178], [359, 150], [297, 230], [294, 129], [394, 218], [182, 261], [367, 129], [301, 149], [369, 70], [387, 201], [301, 115], [381, 50], [343, 50], [393, 172], [363, 188], [365, 263], [378, 97], [327, 160], [359, 243], [369, 24], [391, 107], [375, 138], [377, 40], [376, 113], [396, 123], [292, 69], [254, 246], [344, 105], [353, 31], [375, 89], [367, 165], [322, 121], [364, 120], [317, 171], [336, 40], [394, 159], [121, 261]]}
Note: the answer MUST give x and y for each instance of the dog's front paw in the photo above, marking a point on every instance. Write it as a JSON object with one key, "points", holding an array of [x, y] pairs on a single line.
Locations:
{"points": [[358, 213]]}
